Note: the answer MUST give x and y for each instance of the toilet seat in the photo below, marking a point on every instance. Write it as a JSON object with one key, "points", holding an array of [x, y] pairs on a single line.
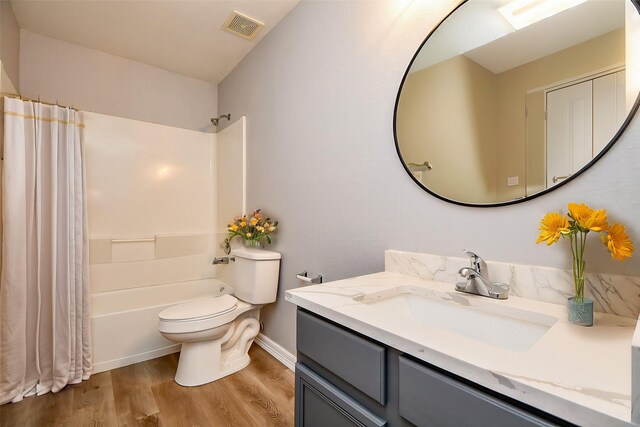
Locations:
{"points": [[214, 314], [201, 309]]}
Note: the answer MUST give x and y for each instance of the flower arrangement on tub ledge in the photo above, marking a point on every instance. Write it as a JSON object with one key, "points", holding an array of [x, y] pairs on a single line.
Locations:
{"points": [[580, 221], [252, 230]]}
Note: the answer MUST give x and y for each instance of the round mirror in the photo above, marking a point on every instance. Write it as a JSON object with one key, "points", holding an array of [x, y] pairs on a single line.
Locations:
{"points": [[508, 99]]}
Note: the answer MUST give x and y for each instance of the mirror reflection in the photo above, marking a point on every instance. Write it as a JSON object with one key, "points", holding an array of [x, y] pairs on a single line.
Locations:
{"points": [[509, 98]]}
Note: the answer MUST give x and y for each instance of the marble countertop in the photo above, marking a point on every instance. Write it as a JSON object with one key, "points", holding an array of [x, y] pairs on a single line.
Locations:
{"points": [[579, 374]]}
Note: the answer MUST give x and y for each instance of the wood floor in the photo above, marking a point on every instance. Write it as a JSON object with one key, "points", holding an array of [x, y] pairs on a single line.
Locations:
{"points": [[145, 394]]}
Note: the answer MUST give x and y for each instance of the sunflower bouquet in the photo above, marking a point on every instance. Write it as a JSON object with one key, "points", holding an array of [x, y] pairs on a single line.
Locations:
{"points": [[253, 229], [580, 221]]}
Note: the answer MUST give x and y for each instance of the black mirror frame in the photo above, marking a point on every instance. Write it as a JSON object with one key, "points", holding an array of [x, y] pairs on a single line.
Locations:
{"points": [[615, 138]]}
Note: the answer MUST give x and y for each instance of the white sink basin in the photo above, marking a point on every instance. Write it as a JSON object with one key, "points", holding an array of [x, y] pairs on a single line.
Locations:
{"points": [[482, 320]]}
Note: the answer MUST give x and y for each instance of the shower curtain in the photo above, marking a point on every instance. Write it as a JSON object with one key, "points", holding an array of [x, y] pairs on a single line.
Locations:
{"points": [[45, 341]]}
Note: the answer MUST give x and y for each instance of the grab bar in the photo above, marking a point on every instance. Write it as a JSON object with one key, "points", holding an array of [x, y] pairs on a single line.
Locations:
{"points": [[134, 240]]}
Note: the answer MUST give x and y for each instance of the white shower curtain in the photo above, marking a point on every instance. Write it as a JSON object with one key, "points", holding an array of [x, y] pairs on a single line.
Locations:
{"points": [[45, 341]]}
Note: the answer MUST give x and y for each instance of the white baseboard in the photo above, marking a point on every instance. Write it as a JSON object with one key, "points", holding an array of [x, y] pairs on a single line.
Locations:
{"points": [[277, 351], [130, 360], [270, 346]]}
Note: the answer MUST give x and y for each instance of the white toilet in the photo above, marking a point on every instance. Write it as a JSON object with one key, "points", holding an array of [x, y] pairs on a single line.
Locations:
{"points": [[216, 333]]}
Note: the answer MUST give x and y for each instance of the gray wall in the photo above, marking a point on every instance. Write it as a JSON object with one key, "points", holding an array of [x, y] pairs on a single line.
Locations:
{"points": [[9, 49], [319, 93], [9, 73], [74, 75]]}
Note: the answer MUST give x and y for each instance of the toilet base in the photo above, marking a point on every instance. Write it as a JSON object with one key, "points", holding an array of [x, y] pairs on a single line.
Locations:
{"points": [[202, 362], [191, 374]]}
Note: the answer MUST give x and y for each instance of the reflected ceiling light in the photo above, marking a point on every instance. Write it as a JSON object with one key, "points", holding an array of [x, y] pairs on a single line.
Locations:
{"points": [[163, 172], [521, 13]]}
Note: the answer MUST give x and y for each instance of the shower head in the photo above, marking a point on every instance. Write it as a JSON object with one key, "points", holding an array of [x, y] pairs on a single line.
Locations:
{"points": [[216, 120]]}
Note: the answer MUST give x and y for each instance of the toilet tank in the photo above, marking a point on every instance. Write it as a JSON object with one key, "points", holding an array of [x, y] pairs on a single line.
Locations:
{"points": [[255, 275]]}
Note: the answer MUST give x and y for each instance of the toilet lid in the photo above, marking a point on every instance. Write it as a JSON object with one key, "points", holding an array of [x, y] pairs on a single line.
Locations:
{"points": [[200, 309]]}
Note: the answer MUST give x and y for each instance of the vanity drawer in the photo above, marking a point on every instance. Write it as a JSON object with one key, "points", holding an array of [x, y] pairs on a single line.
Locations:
{"points": [[320, 404], [429, 398], [356, 360]]}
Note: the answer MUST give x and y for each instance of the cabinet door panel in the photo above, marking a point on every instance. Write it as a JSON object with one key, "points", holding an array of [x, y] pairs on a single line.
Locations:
{"points": [[430, 399], [320, 404], [359, 362]]}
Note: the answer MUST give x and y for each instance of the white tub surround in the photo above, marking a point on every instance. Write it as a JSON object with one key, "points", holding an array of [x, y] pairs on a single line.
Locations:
{"points": [[582, 375], [154, 206], [614, 294]]}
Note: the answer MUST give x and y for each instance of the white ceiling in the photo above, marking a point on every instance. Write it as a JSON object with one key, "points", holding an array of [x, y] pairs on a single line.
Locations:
{"points": [[483, 35], [473, 24], [182, 36]]}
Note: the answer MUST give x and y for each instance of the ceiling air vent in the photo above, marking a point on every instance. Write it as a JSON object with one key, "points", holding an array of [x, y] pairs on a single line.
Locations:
{"points": [[242, 26]]}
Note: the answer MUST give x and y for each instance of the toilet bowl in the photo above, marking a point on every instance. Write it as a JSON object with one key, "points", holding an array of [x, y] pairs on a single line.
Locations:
{"points": [[216, 333]]}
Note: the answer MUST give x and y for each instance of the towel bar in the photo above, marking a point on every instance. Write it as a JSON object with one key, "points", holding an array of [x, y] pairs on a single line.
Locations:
{"points": [[138, 240]]}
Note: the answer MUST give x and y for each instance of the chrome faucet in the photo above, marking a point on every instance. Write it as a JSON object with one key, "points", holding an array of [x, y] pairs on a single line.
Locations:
{"points": [[477, 280]]}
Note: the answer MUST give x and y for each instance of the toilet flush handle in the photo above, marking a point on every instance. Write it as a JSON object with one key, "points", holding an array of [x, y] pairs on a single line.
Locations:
{"points": [[223, 260]]}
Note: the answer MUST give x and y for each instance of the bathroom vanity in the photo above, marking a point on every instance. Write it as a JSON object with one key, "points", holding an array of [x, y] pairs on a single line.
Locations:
{"points": [[391, 349], [345, 379]]}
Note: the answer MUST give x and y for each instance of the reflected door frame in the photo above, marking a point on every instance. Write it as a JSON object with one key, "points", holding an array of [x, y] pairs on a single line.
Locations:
{"points": [[568, 130]]}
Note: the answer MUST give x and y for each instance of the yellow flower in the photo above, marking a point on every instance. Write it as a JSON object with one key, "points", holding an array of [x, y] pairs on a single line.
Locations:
{"points": [[272, 228], [587, 218], [248, 234], [233, 227], [551, 227], [261, 229], [618, 242], [243, 223], [253, 221]]}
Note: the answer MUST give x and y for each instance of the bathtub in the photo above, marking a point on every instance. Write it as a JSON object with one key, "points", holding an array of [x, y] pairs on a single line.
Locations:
{"points": [[125, 322]]}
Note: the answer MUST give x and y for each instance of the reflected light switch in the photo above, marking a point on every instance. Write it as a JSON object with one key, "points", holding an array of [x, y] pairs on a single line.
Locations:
{"points": [[512, 181]]}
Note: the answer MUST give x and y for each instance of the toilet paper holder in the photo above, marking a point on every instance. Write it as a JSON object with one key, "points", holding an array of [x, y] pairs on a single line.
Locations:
{"points": [[305, 278]]}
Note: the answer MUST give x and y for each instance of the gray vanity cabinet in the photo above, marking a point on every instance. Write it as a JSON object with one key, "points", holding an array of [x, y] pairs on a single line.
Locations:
{"points": [[429, 398], [357, 360], [321, 404], [344, 379]]}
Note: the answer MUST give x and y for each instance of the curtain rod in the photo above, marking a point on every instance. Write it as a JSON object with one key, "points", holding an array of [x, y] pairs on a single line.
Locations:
{"points": [[24, 98]]}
